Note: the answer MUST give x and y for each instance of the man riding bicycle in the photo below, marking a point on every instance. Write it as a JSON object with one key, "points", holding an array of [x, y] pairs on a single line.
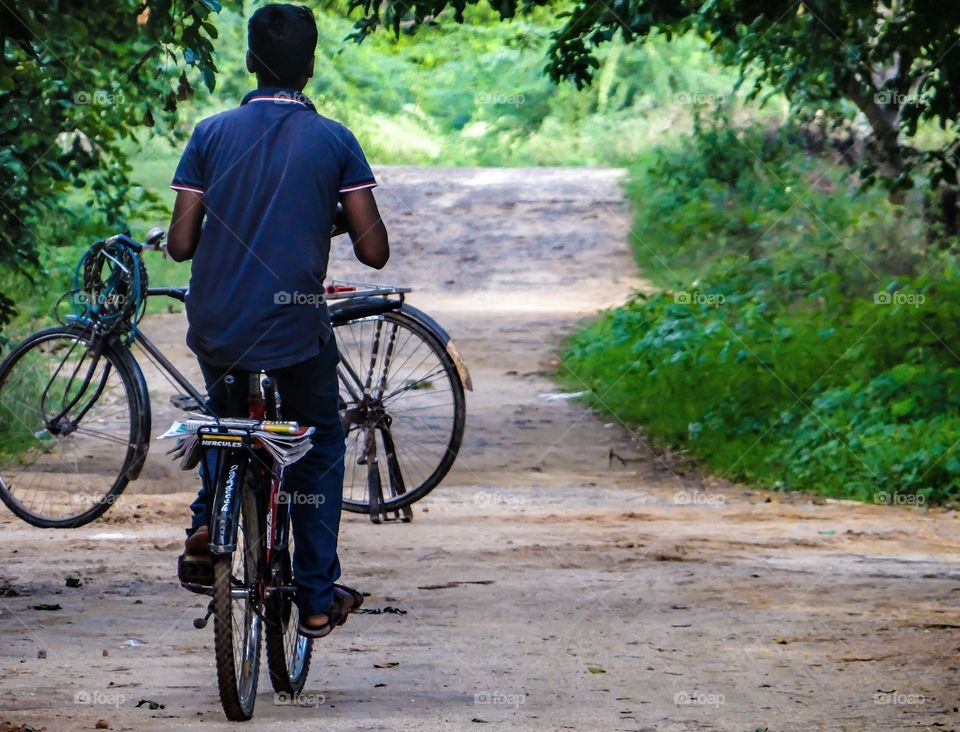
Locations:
{"points": [[257, 194]]}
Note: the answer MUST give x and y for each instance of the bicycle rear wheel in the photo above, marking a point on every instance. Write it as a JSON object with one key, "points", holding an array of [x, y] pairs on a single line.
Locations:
{"points": [[74, 426], [237, 612], [288, 652], [399, 388]]}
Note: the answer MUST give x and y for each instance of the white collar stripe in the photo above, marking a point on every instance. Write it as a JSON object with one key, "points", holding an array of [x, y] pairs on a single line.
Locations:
{"points": [[276, 99]]}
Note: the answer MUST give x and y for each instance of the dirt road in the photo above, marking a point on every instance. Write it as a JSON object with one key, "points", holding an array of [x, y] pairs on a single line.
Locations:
{"points": [[544, 586]]}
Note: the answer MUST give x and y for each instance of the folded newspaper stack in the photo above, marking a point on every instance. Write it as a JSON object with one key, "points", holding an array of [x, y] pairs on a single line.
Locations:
{"points": [[286, 442]]}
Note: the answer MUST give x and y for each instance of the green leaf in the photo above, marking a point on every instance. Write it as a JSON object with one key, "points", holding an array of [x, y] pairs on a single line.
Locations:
{"points": [[209, 77], [905, 372], [903, 407]]}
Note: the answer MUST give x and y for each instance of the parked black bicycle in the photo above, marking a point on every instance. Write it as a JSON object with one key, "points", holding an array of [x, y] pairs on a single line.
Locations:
{"points": [[75, 415]]}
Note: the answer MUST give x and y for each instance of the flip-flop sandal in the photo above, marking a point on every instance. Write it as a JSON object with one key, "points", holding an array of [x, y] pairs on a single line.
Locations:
{"points": [[357, 600], [335, 616]]}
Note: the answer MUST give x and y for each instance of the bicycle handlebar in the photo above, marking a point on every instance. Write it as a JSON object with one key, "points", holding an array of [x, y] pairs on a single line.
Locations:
{"points": [[177, 293]]}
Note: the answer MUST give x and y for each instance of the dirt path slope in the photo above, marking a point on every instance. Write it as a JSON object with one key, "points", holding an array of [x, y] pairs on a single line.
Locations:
{"points": [[544, 587]]}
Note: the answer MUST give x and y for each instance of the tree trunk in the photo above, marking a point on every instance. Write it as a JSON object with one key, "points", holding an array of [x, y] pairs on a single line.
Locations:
{"points": [[883, 118]]}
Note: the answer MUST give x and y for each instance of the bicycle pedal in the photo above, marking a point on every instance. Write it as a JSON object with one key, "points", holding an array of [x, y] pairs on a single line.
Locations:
{"points": [[186, 403], [201, 623], [197, 588]]}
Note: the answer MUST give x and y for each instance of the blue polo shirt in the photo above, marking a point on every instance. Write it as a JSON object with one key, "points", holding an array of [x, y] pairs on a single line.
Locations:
{"points": [[270, 172]]}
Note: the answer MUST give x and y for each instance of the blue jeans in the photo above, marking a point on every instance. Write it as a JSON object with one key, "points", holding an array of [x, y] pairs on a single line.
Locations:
{"points": [[309, 394]]}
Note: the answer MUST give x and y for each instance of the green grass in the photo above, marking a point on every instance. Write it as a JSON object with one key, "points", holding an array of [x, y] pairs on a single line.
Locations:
{"points": [[805, 335]]}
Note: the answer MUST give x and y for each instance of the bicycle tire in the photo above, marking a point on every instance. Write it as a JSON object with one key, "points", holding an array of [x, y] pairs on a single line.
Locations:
{"points": [[237, 682], [450, 449], [136, 435], [288, 672]]}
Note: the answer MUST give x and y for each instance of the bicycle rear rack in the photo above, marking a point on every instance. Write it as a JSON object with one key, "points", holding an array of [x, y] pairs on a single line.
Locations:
{"points": [[343, 290]]}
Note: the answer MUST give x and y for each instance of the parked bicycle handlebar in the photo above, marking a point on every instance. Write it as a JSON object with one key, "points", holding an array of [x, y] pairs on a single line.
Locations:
{"points": [[177, 293]]}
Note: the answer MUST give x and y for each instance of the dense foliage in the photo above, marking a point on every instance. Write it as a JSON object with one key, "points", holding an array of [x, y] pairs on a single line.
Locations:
{"points": [[785, 350], [77, 80], [897, 63], [476, 94]]}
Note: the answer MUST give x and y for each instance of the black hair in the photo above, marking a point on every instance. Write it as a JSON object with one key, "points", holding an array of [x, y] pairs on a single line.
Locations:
{"points": [[282, 39]]}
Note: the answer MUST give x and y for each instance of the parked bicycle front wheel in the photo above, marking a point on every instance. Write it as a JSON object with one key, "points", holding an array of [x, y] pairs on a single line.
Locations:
{"points": [[403, 403], [74, 426]]}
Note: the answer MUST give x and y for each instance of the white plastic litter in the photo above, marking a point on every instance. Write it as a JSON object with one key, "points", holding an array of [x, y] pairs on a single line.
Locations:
{"points": [[563, 397]]}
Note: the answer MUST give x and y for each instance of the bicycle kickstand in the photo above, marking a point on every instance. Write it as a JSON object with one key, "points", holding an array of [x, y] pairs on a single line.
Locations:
{"points": [[378, 511]]}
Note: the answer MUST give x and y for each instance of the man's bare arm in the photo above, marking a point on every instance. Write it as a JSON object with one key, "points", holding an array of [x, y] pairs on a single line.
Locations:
{"points": [[184, 232], [366, 229]]}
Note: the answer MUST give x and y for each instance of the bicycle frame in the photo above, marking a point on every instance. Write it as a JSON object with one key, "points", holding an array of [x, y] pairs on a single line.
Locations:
{"points": [[161, 361], [366, 301], [360, 304], [165, 364]]}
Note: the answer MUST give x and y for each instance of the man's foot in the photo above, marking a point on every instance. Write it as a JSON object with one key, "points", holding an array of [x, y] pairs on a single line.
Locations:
{"points": [[195, 565], [198, 542], [345, 601]]}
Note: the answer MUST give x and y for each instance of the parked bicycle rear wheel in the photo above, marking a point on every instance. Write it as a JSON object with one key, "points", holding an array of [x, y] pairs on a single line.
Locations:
{"points": [[400, 388], [74, 426], [237, 612]]}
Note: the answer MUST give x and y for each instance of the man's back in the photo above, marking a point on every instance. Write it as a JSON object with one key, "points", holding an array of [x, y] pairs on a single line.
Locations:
{"points": [[270, 173]]}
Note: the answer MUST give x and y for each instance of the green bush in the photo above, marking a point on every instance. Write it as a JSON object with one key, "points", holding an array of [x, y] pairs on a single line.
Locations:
{"points": [[794, 359]]}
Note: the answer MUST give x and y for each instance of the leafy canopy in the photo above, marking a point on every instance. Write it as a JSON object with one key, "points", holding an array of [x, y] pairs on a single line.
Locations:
{"points": [[897, 61], [77, 79]]}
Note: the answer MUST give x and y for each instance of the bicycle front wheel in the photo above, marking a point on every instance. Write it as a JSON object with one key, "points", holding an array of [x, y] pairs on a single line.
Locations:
{"points": [[402, 401], [237, 612], [74, 426]]}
